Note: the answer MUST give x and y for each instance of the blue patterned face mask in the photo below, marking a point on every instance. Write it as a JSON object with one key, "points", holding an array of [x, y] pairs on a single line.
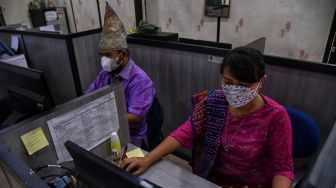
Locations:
{"points": [[239, 96]]}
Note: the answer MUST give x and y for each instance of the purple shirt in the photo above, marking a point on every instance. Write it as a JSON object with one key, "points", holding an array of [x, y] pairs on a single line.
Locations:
{"points": [[139, 93]]}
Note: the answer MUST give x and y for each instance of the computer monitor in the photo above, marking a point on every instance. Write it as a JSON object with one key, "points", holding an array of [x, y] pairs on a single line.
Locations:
{"points": [[25, 92], [100, 173]]}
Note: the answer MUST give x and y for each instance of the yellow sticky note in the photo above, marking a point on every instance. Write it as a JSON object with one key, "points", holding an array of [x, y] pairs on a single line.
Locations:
{"points": [[135, 153], [34, 140]]}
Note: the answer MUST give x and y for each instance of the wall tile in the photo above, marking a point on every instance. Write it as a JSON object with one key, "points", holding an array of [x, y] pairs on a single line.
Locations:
{"points": [[16, 11], [86, 12], [124, 9]]}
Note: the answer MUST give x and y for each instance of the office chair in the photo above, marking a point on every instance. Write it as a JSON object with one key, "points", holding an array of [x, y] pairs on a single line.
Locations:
{"points": [[306, 138], [154, 124]]}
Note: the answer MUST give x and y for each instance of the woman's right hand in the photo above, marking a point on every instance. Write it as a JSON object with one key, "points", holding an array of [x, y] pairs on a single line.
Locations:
{"points": [[136, 165]]}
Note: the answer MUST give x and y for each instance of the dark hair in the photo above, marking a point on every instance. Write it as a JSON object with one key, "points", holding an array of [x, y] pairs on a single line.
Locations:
{"points": [[245, 64]]}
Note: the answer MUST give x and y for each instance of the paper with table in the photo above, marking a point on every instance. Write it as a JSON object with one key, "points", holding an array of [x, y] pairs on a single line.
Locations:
{"points": [[87, 126]]}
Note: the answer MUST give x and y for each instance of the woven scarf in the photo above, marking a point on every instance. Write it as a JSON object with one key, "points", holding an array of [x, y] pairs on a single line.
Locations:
{"points": [[207, 120]]}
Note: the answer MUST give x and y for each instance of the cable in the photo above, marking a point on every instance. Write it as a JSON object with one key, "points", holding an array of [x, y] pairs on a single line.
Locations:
{"points": [[71, 173], [52, 175], [146, 10], [52, 166], [74, 181]]}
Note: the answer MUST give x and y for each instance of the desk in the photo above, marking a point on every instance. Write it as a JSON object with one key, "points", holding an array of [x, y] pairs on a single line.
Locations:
{"points": [[166, 174]]}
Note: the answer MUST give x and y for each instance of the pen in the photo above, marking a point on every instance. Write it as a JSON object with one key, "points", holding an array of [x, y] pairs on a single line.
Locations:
{"points": [[124, 153]]}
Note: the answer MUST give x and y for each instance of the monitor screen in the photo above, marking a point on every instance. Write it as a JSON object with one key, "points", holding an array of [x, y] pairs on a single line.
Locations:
{"points": [[98, 172], [24, 91]]}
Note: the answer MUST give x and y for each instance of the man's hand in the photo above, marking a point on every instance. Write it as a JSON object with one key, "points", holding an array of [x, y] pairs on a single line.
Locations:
{"points": [[133, 118]]}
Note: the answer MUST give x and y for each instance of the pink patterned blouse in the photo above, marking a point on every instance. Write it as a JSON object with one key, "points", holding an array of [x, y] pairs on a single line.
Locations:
{"points": [[260, 146]]}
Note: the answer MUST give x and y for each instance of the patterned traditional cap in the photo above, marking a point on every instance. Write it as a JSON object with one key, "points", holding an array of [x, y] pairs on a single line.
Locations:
{"points": [[114, 35]]}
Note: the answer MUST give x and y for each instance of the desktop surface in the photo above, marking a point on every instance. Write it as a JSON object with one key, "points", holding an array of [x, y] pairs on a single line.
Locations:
{"points": [[166, 174]]}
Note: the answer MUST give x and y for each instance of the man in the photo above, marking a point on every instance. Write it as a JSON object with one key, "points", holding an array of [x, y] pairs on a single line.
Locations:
{"points": [[117, 65]]}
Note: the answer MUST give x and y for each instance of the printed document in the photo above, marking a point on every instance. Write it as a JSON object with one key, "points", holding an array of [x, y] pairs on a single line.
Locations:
{"points": [[87, 126]]}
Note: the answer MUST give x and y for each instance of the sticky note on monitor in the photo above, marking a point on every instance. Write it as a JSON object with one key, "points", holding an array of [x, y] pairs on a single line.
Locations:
{"points": [[135, 153], [34, 140]]}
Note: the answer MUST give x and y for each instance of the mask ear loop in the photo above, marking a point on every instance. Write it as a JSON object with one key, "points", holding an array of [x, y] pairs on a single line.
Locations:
{"points": [[258, 84], [120, 54]]}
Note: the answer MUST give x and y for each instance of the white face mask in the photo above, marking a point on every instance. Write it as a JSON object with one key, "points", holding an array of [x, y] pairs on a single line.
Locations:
{"points": [[239, 96], [109, 64]]}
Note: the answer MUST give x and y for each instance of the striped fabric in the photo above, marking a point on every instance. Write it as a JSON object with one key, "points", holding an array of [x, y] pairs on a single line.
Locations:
{"points": [[139, 93]]}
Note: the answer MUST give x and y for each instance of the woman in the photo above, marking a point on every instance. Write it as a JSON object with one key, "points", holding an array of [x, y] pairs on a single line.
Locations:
{"points": [[238, 136]]}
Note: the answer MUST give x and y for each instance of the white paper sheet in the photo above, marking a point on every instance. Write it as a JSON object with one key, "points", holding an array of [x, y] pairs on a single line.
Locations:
{"points": [[48, 28], [18, 60], [87, 126], [50, 16], [15, 42]]}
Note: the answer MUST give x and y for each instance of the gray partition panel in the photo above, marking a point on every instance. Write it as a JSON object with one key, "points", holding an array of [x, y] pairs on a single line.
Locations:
{"points": [[179, 74], [311, 92], [258, 44], [6, 38], [88, 62], [50, 55], [11, 135]]}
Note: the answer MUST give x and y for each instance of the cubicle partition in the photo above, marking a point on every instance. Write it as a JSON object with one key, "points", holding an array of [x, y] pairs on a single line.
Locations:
{"points": [[181, 70], [11, 137], [70, 62], [88, 61], [52, 57], [258, 44]]}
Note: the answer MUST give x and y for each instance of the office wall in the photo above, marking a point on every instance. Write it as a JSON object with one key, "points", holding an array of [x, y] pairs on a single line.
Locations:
{"points": [[124, 9], [85, 16], [15, 11], [295, 29]]}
